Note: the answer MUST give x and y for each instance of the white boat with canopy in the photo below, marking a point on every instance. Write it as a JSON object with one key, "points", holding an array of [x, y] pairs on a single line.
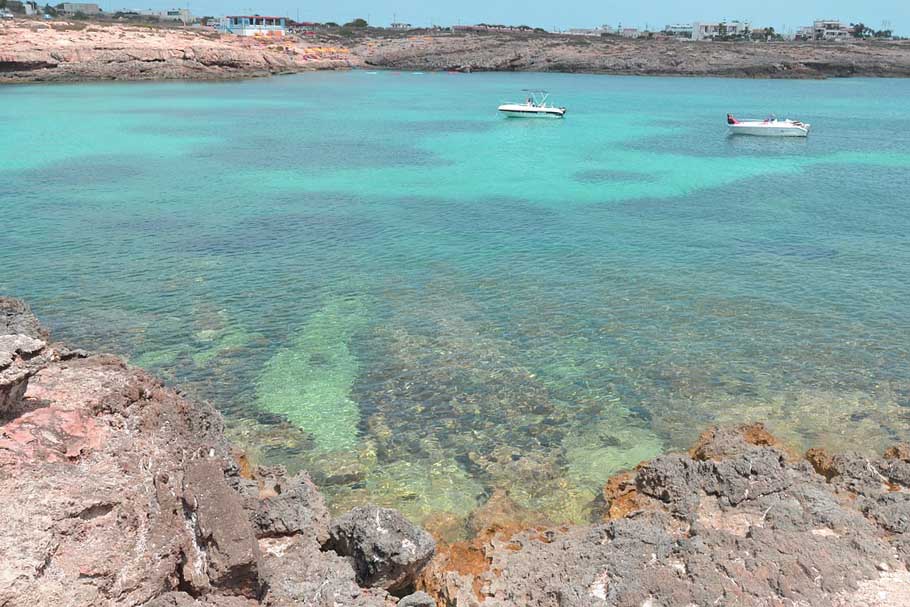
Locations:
{"points": [[535, 106], [769, 127]]}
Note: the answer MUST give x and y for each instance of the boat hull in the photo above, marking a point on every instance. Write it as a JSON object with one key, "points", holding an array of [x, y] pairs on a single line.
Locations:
{"points": [[524, 111], [770, 130]]}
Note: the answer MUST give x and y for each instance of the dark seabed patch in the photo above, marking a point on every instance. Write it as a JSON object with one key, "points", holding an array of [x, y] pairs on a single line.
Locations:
{"points": [[434, 127], [321, 155], [798, 250], [496, 217], [611, 176], [293, 230], [83, 172]]}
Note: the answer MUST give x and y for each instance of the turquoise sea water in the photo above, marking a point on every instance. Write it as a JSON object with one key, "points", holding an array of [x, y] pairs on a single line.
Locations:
{"points": [[378, 278]]}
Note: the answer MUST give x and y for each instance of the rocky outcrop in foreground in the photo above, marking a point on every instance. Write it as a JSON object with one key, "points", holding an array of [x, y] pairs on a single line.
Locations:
{"points": [[32, 51], [119, 491], [738, 521], [549, 53]]}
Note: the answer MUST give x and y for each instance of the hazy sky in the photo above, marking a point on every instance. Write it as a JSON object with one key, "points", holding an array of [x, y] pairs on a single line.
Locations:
{"points": [[782, 14]]}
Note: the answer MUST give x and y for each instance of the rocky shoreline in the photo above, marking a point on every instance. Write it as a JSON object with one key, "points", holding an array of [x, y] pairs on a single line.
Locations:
{"points": [[32, 51], [35, 51], [617, 56], [120, 491]]}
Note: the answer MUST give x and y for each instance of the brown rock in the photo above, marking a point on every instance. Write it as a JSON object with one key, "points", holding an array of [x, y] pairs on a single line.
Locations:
{"points": [[96, 465], [622, 498], [456, 573], [223, 545], [721, 442], [822, 462], [899, 452]]}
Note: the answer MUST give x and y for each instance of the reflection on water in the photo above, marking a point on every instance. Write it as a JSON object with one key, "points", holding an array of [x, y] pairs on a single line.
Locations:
{"points": [[429, 306]]}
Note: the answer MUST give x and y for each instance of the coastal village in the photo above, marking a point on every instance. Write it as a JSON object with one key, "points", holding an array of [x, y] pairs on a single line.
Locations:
{"points": [[821, 30]]}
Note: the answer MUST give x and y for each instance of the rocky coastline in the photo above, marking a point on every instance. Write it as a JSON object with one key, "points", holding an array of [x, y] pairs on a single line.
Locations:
{"points": [[33, 51], [118, 490], [59, 51], [618, 56]]}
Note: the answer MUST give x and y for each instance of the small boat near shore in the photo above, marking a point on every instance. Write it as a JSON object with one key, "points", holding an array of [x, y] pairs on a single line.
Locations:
{"points": [[535, 106], [769, 127]]}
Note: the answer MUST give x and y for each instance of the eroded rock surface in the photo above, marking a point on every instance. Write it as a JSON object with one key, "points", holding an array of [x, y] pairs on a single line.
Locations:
{"points": [[418, 599], [740, 523], [118, 491], [62, 51], [22, 353], [388, 551], [72, 51], [549, 53]]}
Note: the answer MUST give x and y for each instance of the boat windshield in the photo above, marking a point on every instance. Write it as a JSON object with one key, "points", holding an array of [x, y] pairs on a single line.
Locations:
{"points": [[536, 98]]}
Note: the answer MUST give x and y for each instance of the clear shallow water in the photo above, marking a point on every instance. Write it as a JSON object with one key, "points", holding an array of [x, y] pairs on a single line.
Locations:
{"points": [[378, 278]]}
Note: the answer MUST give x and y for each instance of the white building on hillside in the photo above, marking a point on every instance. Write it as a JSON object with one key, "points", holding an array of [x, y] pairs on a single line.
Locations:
{"points": [[807, 32], [679, 30], [593, 32], [179, 15], [712, 31], [76, 8], [253, 25], [831, 29]]}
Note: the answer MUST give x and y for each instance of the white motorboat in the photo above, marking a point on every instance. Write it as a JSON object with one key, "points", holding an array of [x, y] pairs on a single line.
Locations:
{"points": [[769, 127], [535, 106]]}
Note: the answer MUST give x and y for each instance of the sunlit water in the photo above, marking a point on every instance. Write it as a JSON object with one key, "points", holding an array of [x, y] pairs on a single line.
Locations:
{"points": [[378, 278]]}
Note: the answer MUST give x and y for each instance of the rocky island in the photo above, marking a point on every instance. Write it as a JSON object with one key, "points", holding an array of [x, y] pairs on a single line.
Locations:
{"points": [[35, 51], [118, 490]]}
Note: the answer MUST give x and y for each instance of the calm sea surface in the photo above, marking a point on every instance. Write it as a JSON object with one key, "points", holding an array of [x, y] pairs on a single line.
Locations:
{"points": [[378, 278]]}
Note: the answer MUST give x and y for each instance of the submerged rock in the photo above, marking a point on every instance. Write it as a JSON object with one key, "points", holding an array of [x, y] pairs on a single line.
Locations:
{"points": [[387, 550], [310, 381]]}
